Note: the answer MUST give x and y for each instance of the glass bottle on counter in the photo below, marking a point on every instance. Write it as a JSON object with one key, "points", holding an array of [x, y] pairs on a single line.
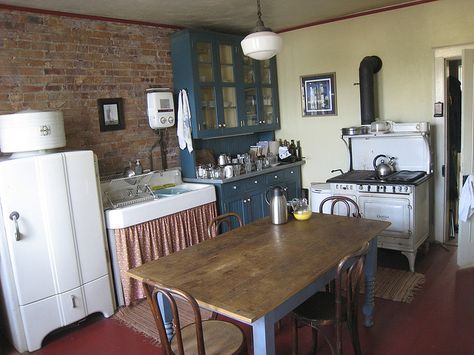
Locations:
{"points": [[292, 148], [299, 154]]}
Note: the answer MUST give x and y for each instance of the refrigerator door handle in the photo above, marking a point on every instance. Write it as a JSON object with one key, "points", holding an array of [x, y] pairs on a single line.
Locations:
{"points": [[14, 216]]}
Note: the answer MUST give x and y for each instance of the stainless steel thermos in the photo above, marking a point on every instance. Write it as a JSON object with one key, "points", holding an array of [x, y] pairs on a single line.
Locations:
{"points": [[278, 205]]}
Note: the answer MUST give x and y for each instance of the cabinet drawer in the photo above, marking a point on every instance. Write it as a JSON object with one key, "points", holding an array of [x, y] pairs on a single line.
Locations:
{"points": [[233, 189], [255, 183], [240, 187], [275, 177], [292, 173], [72, 305]]}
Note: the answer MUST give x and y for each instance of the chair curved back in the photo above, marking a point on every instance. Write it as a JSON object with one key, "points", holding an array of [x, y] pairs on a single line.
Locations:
{"points": [[343, 199], [348, 280], [151, 289], [214, 224]]}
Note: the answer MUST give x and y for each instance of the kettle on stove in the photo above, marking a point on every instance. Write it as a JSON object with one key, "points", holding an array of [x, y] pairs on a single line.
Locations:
{"points": [[278, 205], [384, 169]]}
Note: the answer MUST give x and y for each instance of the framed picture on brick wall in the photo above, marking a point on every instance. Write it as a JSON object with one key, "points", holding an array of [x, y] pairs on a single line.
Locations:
{"points": [[111, 114]]}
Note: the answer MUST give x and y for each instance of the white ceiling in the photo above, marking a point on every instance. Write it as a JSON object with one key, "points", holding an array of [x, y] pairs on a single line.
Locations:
{"points": [[233, 16]]}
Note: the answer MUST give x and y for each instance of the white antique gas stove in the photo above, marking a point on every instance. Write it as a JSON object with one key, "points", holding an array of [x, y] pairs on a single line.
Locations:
{"points": [[402, 198]]}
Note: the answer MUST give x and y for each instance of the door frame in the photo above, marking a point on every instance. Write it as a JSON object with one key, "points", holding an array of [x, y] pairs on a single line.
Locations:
{"points": [[440, 211]]}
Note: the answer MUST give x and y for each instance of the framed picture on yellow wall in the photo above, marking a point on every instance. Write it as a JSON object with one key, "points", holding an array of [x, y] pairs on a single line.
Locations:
{"points": [[318, 94]]}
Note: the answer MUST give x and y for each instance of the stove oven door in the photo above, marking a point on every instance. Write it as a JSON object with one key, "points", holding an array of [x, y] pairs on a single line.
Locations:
{"points": [[396, 210]]}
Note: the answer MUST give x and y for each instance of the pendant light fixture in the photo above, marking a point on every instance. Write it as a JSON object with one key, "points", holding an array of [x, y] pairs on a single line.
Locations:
{"points": [[262, 43]]}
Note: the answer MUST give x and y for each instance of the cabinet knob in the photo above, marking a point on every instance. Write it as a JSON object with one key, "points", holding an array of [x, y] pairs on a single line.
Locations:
{"points": [[234, 187], [256, 181], [276, 176], [291, 172], [223, 125]]}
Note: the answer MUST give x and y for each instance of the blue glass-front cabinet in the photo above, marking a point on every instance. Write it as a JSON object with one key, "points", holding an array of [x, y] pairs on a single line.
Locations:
{"points": [[229, 93]]}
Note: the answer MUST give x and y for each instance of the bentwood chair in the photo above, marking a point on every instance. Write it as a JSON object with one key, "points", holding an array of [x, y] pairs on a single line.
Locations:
{"points": [[335, 307], [347, 201], [215, 223], [201, 337]]}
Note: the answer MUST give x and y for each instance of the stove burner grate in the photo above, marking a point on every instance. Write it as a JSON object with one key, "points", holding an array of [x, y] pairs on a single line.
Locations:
{"points": [[360, 176]]}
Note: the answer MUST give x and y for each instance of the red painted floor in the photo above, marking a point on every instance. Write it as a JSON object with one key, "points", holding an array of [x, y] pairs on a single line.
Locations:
{"points": [[439, 321]]}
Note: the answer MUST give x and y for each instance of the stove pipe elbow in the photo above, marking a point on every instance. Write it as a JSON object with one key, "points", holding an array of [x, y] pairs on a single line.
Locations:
{"points": [[368, 67]]}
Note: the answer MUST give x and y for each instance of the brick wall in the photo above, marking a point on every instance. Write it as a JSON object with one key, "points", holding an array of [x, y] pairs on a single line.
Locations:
{"points": [[61, 63]]}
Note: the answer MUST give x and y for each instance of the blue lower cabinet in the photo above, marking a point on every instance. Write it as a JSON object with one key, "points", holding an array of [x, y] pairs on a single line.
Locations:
{"points": [[250, 207], [247, 196]]}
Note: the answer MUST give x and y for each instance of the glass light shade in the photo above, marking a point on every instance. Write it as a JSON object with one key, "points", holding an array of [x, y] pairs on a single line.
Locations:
{"points": [[261, 45]]}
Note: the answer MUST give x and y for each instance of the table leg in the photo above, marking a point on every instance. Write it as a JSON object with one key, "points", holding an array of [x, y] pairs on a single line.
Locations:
{"points": [[263, 336], [370, 270], [167, 314]]}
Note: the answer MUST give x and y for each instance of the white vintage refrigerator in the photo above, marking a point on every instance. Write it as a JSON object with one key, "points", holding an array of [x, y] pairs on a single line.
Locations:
{"points": [[53, 259]]}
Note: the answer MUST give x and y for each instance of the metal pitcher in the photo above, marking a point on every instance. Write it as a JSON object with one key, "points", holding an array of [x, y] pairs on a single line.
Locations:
{"points": [[278, 204]]}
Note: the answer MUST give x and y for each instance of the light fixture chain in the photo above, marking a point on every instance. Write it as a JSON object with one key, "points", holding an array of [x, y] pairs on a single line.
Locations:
{"points": [[259, 11], [260, 25]]}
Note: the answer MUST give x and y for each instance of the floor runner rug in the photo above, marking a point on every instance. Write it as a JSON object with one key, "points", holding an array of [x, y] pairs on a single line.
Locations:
{"points": [[397, 285]]}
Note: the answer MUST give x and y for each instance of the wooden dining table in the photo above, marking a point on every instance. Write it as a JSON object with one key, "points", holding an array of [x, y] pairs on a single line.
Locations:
{"points": [[260, 272]]}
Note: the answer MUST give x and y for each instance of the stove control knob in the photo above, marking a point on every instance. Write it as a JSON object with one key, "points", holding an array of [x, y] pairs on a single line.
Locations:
{"points": [[406, 188], [399, 188]]}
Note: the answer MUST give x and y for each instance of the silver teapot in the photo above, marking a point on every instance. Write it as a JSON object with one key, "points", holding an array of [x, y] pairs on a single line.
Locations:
{"points": [[385, 167]]}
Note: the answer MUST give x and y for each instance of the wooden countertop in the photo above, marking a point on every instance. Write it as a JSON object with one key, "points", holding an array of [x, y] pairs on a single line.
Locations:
{"points": [[247, 272]]}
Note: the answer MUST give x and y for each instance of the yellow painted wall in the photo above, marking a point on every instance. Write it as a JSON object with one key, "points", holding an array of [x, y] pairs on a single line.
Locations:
{"points": [[404, 39]]}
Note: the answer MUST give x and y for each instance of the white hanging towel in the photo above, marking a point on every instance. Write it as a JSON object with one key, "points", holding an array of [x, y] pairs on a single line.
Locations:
{"points": [[466, 200], [183, 130]]}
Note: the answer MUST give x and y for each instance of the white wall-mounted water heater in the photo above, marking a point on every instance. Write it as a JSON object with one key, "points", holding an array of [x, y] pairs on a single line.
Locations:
{"points": [[160, 108]]}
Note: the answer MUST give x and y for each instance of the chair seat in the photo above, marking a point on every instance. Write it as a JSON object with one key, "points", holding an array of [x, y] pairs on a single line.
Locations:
{"points": [[220, 337], [319, 309]]}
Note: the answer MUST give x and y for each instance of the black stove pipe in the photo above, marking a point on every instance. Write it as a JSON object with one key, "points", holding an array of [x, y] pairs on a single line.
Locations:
{"points": [[367, 68]]}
